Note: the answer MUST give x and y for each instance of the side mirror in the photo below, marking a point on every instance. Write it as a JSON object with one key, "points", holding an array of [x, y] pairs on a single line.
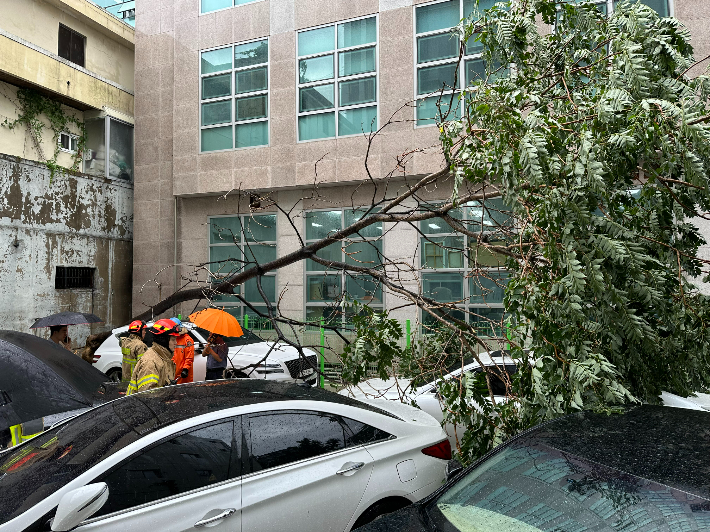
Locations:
{"points": [[453, 468], [78, 505]]}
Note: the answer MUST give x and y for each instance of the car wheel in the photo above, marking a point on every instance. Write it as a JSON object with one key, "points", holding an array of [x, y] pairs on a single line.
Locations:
{"points": [[380, 508], [114, 374], [235, 374]]}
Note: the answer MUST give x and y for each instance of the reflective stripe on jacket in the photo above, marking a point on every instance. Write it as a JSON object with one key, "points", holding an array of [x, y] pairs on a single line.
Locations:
{"points": [[25, 431], [154, 369], [132, 349]]}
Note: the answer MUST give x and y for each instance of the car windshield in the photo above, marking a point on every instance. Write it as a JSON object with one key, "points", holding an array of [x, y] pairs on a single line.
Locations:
{"points": [[234, 341], [535, 487]]}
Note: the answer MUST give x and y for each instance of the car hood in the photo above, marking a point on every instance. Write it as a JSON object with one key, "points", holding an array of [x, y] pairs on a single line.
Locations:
{"points": [[405, 520], [393, 389], [280, 353]]}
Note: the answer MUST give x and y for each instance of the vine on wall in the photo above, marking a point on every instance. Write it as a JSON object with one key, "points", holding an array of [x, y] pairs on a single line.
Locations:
{"points": [[32, 106]]}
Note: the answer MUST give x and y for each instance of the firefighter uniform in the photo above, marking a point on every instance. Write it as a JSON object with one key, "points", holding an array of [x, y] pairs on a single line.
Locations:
{"points": [[184, 356], [132, 348], [25, 431], [153, 370]]}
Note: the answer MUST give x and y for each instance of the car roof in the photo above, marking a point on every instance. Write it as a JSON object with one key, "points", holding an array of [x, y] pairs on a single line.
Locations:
{"points": [[669, 446]]}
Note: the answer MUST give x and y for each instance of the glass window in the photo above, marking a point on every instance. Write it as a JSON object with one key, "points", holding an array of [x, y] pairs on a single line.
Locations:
{"points": [[187, 462], [95, 156], [357, 32], [316, 41], [213, 5], [284, 438], [314, 98], [115, 159], [315, 69], [247, 117], [362, 434], [438, 64], [240, 242], [478, 280], [320, 59], [326, 285]]}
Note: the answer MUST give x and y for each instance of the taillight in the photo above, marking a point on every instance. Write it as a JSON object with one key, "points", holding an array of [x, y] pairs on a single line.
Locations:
{"points": [[96, 358], [440, 450]]}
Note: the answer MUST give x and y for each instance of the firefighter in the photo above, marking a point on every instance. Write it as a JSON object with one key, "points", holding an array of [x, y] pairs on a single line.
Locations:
{"points": [[132, 348], [184, 355], [25, 431], [156, 368]]}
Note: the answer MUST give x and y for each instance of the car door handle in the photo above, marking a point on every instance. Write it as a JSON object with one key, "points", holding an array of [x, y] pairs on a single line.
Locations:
{"points": [[350, 466], [218, 517]]}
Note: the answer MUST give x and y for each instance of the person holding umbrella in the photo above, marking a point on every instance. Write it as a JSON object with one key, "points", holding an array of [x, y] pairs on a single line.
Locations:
{"points": [[156, 367], [218, 352], [59, 334], [132, 348], [219, 323]]}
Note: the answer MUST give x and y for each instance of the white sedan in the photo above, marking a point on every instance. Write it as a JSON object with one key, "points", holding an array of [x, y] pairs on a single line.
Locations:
{"points": [[426, 396], [245, 455], [283, 364]]}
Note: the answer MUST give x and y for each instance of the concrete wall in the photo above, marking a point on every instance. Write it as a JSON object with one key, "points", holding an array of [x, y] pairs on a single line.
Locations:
{"points": [[109, 42], [76, 220]]}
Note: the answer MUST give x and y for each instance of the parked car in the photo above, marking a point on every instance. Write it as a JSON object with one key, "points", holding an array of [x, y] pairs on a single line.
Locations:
{"points": [[283, 364], [425, 396], [644, 470], [249, 455]]}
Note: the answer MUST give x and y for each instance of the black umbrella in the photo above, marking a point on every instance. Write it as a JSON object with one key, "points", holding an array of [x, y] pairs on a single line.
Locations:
{"points": [[39, 378], [66, 318]]}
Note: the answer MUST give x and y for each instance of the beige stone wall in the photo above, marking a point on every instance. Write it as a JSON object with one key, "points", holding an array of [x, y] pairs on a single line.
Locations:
{"points": [[18, 142], [109, 42]]}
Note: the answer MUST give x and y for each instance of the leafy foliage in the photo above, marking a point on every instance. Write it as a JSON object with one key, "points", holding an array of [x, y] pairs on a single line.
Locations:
{"points": [[33, 107], [599, 143]]}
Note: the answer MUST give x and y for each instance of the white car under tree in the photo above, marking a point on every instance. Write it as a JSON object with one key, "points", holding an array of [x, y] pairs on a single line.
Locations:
{"points": [[284, 362]]}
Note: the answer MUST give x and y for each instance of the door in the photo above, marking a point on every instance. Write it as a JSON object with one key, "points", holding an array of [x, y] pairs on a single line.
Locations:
{"points": [[191, 481], [305, 474]]}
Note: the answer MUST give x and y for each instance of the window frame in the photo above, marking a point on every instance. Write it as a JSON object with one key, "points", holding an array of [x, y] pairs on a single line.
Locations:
{"points": [[341, 274], [609, 7], [233, 97], [465, 303], [241, 245], [74, 34], [201, 13], [336, 79], [72, 137], [237, 441]]}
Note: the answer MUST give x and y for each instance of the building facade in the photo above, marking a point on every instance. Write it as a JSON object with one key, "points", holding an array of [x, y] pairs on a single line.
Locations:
{"points": [[239, 100], [66, 191]]}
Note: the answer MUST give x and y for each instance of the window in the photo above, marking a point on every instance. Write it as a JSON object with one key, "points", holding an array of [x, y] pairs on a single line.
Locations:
{"points": [[337, 80], [187, 462], [71, 45], [208, 6], [119, 163], [73, 277], [661, 7], [236, 243], [289, 436], [234, 91], [325, 286], [437, 57], [455, 269], [68, 142]]}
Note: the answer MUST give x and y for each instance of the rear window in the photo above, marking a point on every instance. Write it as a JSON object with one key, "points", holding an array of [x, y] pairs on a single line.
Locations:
{"points": [[234, 341]]}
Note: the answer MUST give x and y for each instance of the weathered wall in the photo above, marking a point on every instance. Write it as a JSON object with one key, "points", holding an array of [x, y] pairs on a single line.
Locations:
{"points": [[76, 220]]}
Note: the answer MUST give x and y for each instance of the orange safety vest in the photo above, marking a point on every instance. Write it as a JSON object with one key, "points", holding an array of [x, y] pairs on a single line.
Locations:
{"points": [[184, 357]]}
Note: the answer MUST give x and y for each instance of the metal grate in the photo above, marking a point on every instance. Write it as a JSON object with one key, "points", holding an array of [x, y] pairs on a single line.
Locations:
{"points": [[295, 367], [74, 277]]}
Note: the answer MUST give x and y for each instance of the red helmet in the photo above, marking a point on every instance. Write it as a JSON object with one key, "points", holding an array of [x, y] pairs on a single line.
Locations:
{"points": [[136, 326], [165, 327]]}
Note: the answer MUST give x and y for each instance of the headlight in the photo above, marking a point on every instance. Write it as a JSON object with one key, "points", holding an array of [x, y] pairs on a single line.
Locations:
{"points": [[269, 368]]}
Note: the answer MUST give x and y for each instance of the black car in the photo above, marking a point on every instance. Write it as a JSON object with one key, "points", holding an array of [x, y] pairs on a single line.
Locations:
{"points": [[646, 470]]}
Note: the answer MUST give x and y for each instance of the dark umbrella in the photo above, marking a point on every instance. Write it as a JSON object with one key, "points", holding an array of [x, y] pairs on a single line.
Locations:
{"points": [[39, 378], [66, 318]]}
